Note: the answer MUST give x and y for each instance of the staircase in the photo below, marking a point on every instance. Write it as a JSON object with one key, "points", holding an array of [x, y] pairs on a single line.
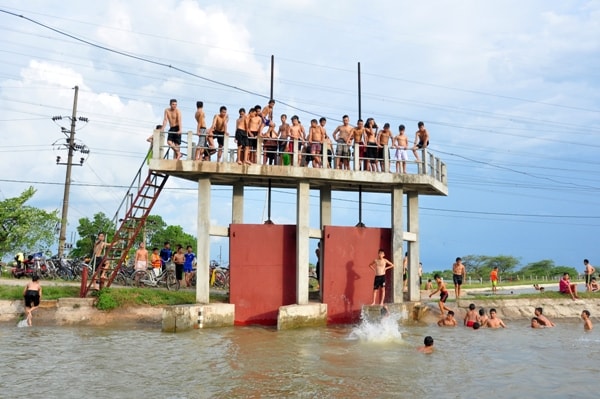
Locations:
{"points": [[136, 204]]}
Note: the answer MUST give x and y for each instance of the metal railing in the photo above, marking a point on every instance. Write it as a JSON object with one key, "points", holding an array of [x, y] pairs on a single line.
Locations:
{"points": [[293, 152]]}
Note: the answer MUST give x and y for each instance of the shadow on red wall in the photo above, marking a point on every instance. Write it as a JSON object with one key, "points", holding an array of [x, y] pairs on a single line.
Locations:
{"points": [[347, 279]]}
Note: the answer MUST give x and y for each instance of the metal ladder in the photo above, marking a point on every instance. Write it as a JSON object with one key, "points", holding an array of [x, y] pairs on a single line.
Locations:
{"points": [[137, 203]]}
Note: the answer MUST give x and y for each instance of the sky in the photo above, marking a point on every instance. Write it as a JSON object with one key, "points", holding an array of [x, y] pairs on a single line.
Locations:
{"points": [[509, 92]]}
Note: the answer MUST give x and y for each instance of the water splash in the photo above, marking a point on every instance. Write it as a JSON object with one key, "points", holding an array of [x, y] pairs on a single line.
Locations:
{"points": [[385, 328]]}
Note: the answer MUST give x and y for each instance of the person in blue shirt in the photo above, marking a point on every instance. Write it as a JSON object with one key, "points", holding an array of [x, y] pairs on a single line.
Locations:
{"points": [[165, 255], [188, 265]]}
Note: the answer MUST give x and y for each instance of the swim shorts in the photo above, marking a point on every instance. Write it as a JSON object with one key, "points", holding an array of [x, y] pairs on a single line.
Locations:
{"points": [[379, 282]]}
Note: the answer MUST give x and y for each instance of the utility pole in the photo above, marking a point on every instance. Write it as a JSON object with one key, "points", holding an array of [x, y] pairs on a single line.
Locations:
{"points": [[72, 147]]}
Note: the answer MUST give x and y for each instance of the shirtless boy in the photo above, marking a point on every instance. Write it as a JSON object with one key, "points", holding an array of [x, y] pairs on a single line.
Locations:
{"points": [[421, 139], [380, 266], [383, 139], [173, 117], [255, 125], [448, 321], [241, 137], [427, 345], [267, 113], [342, 135], [202, 148], [458, 275], [315, 138], [296, 133], [589, 273], [400, 143], [541, 318], [494, 321], [443, 294], [587, 323], [357, 138], [141, 257], [284, 133], [219, 129], [471, 317]]}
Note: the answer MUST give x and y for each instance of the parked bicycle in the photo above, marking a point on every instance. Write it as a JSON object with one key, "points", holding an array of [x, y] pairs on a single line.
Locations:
{"points": [[148, 278]]}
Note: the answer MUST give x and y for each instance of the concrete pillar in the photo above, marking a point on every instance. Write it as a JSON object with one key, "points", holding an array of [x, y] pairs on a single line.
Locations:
{"points": [[237, 204], [397, 243], [413, 246], [325, 206], [203, 251], [302, 236]]}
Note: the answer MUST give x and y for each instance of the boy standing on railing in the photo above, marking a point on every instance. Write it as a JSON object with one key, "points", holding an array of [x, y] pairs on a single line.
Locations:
{"points": [[421, 140]]}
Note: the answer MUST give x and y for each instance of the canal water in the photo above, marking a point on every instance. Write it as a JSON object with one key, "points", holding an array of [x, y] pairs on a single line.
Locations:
{"points": [[370, 360]]}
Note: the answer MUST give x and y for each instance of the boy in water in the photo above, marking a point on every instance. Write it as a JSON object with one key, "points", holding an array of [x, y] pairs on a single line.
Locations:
{"points": [[482, 319], [380, 266], [443, 294], [428, 345], [494, 321], [543, 320], [587, 323], [471, 316], [448, 321]]}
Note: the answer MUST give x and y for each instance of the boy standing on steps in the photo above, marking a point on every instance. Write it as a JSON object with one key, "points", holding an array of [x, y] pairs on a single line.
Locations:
{"points": [[380, 266]]}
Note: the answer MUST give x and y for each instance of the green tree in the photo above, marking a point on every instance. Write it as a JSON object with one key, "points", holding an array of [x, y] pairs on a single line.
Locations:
{"points": [[539, 268], [88, 231], [25, 228], [480, 266], [175, 235], [154, 225]]}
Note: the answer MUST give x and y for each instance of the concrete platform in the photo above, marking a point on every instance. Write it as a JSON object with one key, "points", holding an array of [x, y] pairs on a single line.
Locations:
{"points": [[298, 316], [180, 318]]}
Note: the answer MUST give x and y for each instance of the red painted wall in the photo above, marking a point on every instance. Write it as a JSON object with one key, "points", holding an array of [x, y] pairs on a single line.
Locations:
{"points": [[262, 262], [347, 279]]}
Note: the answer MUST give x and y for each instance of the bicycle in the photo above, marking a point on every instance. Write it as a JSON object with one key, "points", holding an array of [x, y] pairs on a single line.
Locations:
{"points": [[148, 278]]}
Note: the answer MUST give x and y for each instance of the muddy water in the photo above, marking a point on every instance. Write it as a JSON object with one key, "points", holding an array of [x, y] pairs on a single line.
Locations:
{"points": [[375, 360]]}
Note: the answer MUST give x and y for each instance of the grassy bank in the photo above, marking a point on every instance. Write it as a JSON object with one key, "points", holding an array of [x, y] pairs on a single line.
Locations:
{"points": [[111, 298]]}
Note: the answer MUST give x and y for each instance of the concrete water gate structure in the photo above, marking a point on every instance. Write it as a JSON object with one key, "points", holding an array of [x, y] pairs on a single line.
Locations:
{"points": [[269, 263]]}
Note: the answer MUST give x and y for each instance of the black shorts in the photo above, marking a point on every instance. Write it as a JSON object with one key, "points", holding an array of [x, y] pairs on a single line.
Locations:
{"points": [[379, 282], [371, 152], [220, 136], [420, 145], [179, 271], [242, 138], [588, 278], [174, 137], [253, 141], [457, 279], [32, 298]]}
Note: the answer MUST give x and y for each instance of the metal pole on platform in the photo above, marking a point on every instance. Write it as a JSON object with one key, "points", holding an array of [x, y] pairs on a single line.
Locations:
{"points": [[269, 204], [360, 222], [359, 95], [272, 74]]}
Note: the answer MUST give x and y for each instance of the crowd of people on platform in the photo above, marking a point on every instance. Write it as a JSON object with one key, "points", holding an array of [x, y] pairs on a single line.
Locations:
{"points": [[314, 146]]}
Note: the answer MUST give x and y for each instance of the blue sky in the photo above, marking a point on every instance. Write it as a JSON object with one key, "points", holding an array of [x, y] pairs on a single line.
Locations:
{"points": [[509, 91]]}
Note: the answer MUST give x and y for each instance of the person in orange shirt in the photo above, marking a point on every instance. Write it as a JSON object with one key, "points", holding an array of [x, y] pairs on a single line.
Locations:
{"points": [[494, 279], [155, 261]]}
